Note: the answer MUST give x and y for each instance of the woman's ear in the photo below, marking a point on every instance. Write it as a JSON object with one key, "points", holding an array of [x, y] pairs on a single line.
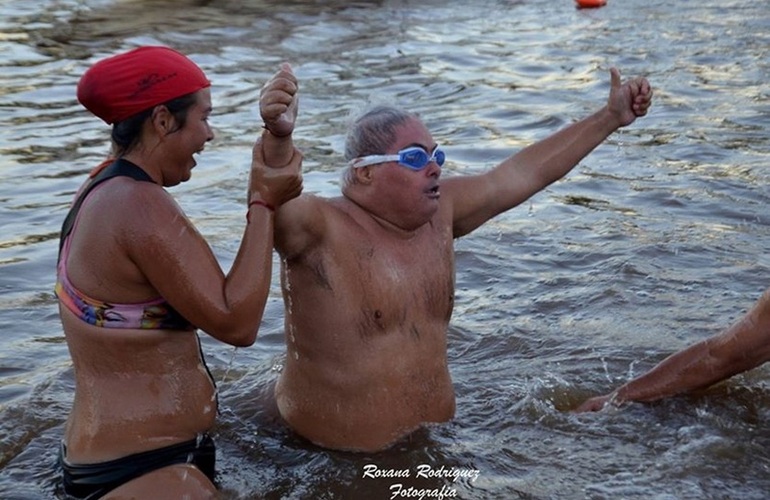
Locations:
{"points": [[162, 120]]}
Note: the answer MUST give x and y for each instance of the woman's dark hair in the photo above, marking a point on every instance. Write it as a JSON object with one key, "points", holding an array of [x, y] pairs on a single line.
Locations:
{"points": [[126, 133]]}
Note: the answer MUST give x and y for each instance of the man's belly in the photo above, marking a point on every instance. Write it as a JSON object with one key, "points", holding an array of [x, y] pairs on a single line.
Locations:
{"points": [[362, 411]]}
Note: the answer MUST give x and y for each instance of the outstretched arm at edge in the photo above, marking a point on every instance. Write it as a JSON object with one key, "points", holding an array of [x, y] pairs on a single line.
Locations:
{"points": [[741, 347]]}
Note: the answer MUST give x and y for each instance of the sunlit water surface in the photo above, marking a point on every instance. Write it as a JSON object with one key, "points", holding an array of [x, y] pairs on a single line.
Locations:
{"points": [[654, 241]]}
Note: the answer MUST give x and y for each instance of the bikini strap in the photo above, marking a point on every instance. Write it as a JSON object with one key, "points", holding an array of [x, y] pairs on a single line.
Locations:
{"points": [[119, 168]]}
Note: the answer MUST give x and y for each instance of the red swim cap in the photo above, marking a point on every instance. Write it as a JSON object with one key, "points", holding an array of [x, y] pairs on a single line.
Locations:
{"points": [[123, 85]]}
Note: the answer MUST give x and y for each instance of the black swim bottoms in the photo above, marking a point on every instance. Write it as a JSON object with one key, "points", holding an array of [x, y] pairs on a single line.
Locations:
{"points": [[91, 481]]}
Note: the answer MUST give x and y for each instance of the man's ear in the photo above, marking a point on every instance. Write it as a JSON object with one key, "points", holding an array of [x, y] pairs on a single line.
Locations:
{"points": [[363, 175], [162, 120]]}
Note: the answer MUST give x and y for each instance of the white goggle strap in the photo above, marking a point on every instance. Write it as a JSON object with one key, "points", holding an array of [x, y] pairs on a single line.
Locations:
{"points": [[365, 161]]}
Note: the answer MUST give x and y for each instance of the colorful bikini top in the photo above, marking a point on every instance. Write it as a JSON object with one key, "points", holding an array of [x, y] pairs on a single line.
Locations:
{"points": [[156, 314]]}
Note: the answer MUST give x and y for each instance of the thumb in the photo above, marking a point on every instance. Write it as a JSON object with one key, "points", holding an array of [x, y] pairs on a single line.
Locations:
{"points": [[286, 67], [614, 78]]}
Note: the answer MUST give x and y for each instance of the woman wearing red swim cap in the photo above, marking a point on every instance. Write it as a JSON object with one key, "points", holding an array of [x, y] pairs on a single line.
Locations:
{"points": [[136, 281]]}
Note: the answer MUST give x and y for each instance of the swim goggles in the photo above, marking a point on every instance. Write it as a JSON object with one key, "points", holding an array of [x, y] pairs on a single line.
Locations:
{"points": [[415, 158]]}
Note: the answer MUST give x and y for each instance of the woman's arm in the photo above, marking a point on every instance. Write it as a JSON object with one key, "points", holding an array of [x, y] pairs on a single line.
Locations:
{"points": [[179, 264]]}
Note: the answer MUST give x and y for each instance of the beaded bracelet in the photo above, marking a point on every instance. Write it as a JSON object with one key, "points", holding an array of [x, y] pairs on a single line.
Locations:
{"points": [[258, 202]]}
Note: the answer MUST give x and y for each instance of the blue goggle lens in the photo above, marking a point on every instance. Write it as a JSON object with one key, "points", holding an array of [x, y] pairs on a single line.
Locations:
{"points": [[418, 158]]}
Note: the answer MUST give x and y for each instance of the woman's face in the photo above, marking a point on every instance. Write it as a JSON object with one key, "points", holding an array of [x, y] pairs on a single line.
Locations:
{"points": [[188, 140]]}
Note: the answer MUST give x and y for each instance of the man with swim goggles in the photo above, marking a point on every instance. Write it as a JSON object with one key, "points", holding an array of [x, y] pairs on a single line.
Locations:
{"points": [[368, 277], [414, 157]]}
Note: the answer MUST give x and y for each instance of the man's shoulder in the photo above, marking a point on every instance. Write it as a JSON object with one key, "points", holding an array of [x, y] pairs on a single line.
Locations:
{"points": [[310, 221], [308, 205]]}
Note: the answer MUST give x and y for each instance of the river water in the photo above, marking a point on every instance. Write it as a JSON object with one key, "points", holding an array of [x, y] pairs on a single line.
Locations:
{"points": [[654, 241]]}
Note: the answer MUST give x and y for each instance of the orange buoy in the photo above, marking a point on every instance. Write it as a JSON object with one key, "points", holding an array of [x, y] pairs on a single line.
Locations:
{"points": [[590, 4]]}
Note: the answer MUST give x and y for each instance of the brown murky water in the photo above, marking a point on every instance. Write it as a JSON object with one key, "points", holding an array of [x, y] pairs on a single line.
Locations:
{"points": [[658, 239]]}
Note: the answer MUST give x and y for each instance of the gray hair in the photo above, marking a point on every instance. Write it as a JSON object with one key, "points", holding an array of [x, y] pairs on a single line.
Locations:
{"points": [[372, 133]]}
